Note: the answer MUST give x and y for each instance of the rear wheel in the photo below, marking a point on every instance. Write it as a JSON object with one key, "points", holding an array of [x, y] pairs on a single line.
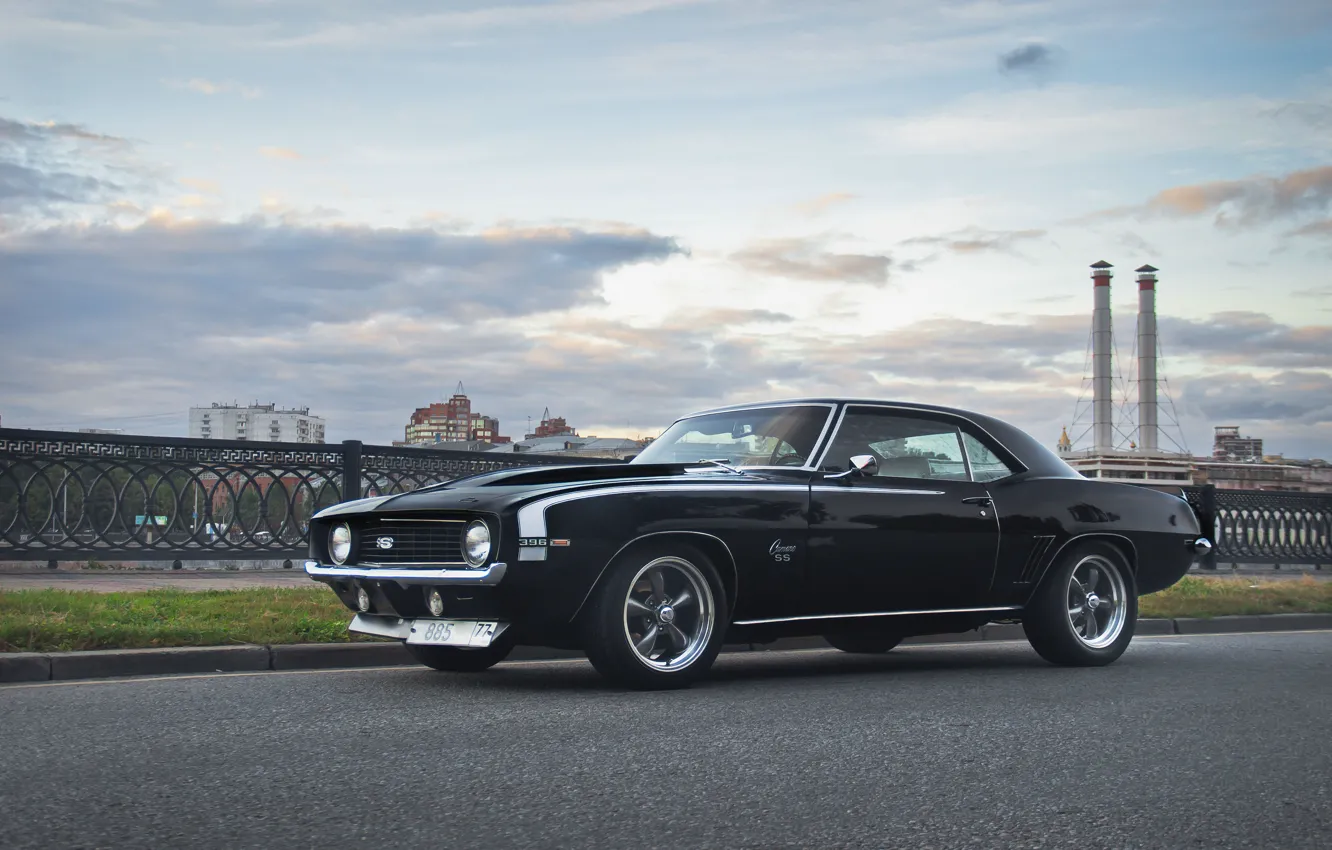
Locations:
{"points": [[862, 643], [656, 619], [456, 660], [1086, 610]]}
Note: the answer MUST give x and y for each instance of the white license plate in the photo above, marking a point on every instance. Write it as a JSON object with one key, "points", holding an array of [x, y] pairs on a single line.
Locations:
{"points": [[453, 632]]}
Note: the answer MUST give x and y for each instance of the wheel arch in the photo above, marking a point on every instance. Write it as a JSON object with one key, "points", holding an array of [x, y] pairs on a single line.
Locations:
{"points": [[709, 544], [1121, 543]]}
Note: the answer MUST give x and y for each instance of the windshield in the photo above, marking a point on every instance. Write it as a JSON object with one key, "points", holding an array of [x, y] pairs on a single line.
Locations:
{"points": [[763, 436]]}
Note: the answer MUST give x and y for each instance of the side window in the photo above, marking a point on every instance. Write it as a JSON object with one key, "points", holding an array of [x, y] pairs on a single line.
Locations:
{"points": [[985, 464], [905, 447]]}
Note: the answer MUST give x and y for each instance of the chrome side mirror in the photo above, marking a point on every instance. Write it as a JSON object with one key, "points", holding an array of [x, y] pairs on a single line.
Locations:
{"points": [[865, 465], [861, 466]]}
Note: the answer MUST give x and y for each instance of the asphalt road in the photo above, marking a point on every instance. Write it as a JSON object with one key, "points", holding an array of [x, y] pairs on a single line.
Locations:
{"points": [[1208, 741]]}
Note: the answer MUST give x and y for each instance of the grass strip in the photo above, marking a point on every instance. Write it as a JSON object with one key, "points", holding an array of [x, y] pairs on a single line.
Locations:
{"points": [[1195, 596], [63, 620]]}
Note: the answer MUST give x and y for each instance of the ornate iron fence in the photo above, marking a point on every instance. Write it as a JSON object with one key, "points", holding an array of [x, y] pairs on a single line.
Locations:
{"points": [[71, 496], [1264, 526]]}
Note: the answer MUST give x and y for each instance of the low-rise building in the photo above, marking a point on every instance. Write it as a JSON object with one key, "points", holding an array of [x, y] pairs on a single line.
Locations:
{"points": [[258, 422], [1301, 476]]}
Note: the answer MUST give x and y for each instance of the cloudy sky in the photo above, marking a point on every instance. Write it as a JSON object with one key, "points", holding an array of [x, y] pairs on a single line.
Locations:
{"points": [[629, 209]]}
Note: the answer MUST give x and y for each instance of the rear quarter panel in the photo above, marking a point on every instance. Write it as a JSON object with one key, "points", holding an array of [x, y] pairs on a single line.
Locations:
{"points": [[1040, 517]]}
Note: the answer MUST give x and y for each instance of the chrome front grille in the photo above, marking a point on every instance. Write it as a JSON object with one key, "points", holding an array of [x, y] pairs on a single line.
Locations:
{"points": [[411, 541]]}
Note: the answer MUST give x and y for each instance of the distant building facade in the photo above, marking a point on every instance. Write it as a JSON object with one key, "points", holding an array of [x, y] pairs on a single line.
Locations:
{"points": [[265, 423], [611, 448], [1271, 473], [1229, 445], [451, 421], [551, 426]]}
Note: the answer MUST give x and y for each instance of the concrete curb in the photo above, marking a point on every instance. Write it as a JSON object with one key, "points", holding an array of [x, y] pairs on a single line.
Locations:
{"points": [[1251, 623], [323, 656], [111, 663]]}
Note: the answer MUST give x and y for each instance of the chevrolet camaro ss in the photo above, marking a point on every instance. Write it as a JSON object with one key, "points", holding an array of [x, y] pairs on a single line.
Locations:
{"points": [[862, 521]]}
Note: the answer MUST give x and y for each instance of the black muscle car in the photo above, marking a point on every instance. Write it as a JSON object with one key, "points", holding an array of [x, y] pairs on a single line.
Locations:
{"points": [[862, 521]]}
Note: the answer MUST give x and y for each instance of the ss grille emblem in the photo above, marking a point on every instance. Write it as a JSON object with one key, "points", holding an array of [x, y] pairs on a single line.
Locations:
{"points": [[384, 542]]}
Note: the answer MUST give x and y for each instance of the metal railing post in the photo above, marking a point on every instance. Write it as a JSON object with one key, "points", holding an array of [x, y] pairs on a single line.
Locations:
{"points": [[351, 470], [1209, 525]]}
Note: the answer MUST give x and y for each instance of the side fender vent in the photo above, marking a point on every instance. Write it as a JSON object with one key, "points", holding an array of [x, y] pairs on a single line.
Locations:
{"points": [[1040, 547]]}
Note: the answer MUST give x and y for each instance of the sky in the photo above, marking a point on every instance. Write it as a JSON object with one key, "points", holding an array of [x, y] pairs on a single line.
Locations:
{"points": [[628, 210]]}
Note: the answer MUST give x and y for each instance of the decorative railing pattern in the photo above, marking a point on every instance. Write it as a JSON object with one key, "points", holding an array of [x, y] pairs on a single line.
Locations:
{"points": [[71, 496], [1265, 526]]}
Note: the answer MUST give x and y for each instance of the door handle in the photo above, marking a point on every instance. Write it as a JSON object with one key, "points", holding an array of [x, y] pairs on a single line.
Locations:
{"points": [[983, 501]]}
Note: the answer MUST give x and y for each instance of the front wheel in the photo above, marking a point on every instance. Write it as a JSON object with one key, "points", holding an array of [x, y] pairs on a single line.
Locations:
{"points": [[656, 619], [1086, 610], [455, 660]]}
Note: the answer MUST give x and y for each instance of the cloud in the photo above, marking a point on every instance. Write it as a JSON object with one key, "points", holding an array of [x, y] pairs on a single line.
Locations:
{"points": [[808, 259], [1315, 228], [1030, 58], [823, 203], [269, 276], [395, 30], [208, 187], [47, 165], [1316, 292], [279, 153], [1070, 122], [974, 240], [366, 324], [1249, 339], [1134, 242], [1290, 397], [1249, 201], [1304, 112], [208, 87]]}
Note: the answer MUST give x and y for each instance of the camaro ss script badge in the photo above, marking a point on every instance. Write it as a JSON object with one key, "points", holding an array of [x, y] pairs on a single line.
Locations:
{"points": [[384, 543], [780, 552]]}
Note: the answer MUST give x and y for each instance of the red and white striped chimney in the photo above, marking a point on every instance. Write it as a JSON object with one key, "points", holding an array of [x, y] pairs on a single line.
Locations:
{"points": [[1102, 401], [1148, 423]]}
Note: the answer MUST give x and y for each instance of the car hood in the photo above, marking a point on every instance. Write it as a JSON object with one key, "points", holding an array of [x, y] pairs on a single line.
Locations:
{"points": [[491, 491]]}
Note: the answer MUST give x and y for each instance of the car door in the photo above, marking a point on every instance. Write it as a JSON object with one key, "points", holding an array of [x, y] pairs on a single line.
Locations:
{"points": [[917, 535]]}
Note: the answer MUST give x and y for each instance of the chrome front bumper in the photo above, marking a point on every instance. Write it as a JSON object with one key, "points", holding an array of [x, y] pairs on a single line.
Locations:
{"points": [[490, 575]]}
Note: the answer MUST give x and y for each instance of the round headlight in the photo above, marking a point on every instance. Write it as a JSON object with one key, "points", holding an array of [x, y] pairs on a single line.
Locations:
{"points": [[339, 543], [476, 543]]}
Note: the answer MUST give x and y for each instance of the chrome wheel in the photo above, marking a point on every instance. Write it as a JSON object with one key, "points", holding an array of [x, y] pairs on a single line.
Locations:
{"points": [[1096, 601], [669, 614]]}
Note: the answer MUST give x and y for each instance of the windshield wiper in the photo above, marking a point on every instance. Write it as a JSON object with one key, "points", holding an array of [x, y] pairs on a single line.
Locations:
{"points": [[723, 463]]}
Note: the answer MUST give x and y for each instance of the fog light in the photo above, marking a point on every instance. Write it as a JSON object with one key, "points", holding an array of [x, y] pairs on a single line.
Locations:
{"points": [[435, 602], [362, 600]]}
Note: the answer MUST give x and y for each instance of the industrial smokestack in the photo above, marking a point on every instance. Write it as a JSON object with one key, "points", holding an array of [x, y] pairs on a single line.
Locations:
{"points": [[1102, 403], [1148, 425]]}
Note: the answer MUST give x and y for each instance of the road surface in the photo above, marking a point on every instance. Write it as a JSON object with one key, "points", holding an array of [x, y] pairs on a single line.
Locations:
{"points": [[1200, 741]]}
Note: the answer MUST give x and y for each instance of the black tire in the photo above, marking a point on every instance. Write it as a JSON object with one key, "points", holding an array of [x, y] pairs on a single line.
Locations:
{"points": [[610, 631], [1059, 635], [454, 659], [862, 644]]}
